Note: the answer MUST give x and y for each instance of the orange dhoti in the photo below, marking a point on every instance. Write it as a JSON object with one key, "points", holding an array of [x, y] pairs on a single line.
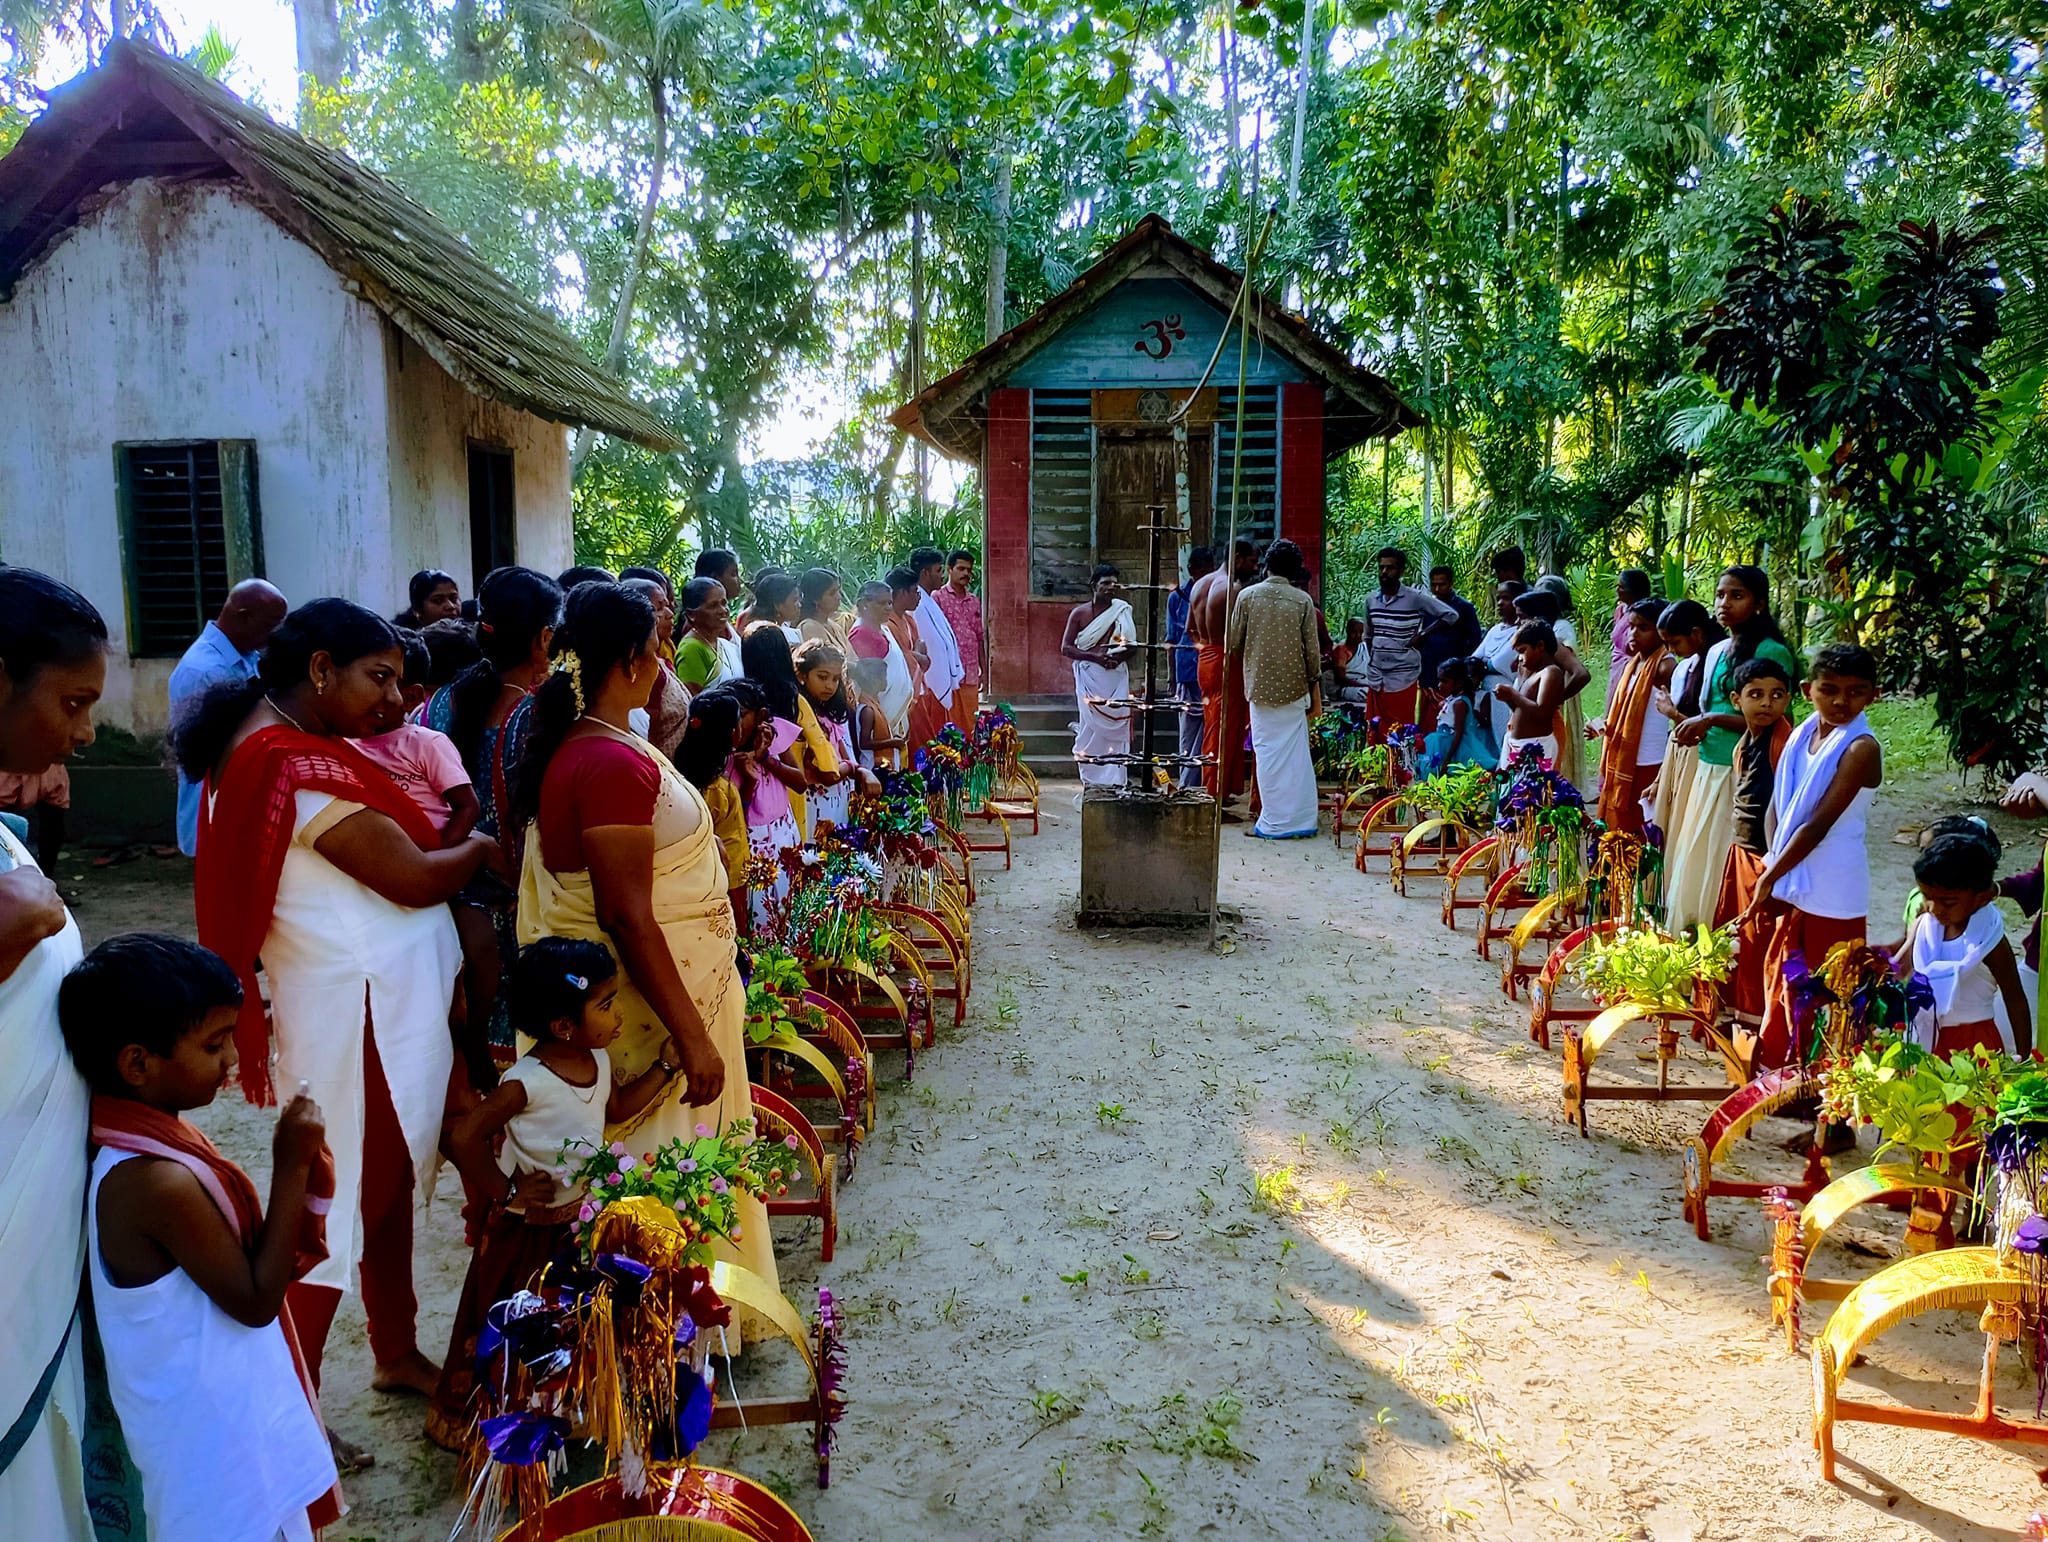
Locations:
{"points": [[1744, 993], [1223, 726], [966, 707], [1813, 938]]}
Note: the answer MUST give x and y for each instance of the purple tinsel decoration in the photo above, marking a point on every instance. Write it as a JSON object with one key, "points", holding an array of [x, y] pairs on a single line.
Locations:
{"points": [[524, 1438], [2014, 1146], [628, 1277], [831, 1370], [693, 1413], [524, 1324], [1919, 994]]}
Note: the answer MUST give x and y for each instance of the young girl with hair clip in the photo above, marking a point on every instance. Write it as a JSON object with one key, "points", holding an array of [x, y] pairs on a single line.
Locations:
{"points": [[1464, 722], [1697, 850], [723, 720], [776, 795], [520, 1143], [821, 670]]}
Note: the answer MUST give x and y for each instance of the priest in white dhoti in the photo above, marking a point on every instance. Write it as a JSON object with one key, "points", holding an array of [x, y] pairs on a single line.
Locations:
{"points": [[1098, 640], [1273, 630], [942, 676]]}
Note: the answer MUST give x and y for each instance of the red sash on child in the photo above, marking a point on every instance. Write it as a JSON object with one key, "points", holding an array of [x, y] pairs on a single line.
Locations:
{"points": [[122, 1125], [245, 827]]}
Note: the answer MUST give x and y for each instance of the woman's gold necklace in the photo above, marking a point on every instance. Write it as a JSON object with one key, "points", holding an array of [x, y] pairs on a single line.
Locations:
{"points": [[274, 707]]}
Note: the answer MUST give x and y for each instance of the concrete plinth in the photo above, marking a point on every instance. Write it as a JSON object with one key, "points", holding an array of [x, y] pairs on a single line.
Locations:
{"points": [[1147, 861]]}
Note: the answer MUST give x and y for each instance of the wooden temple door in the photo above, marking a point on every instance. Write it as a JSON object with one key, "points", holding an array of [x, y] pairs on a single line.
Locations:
{"points": [[1135, 468]]}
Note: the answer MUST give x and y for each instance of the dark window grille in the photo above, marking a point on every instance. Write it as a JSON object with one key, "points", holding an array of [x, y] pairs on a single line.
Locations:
{"points": [[189, 531]]}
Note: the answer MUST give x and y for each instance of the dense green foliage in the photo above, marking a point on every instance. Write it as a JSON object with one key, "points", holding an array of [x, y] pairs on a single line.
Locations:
{"points": [[1515, 211]]}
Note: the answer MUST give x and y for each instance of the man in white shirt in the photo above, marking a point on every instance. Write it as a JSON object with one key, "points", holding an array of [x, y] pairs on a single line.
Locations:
{"points": [[942, 676], [227, 649]]}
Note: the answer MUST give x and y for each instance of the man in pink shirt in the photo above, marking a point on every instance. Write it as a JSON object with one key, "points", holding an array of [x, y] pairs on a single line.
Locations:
{"points": [[963, 614]]}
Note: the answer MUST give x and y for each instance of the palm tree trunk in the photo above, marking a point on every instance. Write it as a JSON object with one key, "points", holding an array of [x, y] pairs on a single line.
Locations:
{"points": [[636, 266]]}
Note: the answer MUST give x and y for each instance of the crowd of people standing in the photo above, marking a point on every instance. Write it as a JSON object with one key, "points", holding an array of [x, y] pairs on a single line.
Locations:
{"points": [[390, 820]]}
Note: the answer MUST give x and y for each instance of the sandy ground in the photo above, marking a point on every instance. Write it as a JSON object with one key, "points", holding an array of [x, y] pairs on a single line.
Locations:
{"points": [[1285, 1239]]}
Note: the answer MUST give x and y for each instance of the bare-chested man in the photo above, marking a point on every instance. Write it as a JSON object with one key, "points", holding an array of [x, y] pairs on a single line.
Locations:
{"points": [[1223, 723]]}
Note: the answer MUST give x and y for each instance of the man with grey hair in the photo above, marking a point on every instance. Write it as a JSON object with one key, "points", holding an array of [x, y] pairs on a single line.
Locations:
{"points": [[227, 649]]}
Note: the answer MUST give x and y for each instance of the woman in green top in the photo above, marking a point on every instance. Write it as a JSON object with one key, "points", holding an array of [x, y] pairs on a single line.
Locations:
{"points": [[1696, 852], [701, 651]]}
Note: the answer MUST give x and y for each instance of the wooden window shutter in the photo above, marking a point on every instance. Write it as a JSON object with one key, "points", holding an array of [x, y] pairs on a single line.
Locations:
{"points": [[1062, 491], [1258, 478], [191, 530]]}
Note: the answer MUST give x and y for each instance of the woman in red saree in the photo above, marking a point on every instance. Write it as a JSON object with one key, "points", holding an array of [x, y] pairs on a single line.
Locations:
{"points": [[317, 862]]}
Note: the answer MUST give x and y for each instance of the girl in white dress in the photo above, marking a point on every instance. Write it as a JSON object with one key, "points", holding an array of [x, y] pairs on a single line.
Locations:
{"points": [[551, 1108]]}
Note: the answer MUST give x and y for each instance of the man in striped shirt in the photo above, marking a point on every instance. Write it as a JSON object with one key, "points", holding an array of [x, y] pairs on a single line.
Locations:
{"points": [[1396, 616]]}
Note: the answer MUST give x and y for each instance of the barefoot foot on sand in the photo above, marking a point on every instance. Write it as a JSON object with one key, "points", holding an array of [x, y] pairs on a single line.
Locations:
{"points": [[412, 1372]]}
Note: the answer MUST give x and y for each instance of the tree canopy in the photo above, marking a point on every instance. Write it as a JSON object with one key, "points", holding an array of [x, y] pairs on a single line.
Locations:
{"points": [[1520, 213]]}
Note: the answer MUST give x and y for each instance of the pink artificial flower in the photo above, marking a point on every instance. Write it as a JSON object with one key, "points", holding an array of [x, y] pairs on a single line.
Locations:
{"points": [[703, 1131], [586, 1211], [687, 1165], [719, 1186], [789, 1141], [618, 1148]]}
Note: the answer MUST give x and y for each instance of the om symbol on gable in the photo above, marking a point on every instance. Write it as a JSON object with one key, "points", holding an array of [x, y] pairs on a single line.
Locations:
{"points": [[1165, 331]]}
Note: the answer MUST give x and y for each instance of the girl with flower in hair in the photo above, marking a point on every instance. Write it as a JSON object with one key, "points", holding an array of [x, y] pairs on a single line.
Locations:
{"points": [[622, 850], [551, 1108]]}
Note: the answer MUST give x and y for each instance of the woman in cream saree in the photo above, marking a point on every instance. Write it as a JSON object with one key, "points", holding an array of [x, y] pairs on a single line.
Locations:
{"points": [[598, 779]]}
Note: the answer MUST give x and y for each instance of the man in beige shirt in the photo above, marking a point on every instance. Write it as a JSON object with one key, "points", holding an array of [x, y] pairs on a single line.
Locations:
{"points": [[1273, 630]]}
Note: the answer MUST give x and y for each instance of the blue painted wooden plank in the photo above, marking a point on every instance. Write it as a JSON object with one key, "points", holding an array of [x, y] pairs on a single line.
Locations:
{"points": [[1146, 332]]}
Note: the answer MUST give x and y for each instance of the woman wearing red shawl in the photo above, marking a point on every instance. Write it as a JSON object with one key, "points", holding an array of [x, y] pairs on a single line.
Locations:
{"points": [[317, 862], [52, 666]]}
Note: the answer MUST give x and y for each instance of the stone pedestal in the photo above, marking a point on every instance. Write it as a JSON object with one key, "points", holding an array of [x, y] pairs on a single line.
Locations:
{"points": [[1147, 861]]}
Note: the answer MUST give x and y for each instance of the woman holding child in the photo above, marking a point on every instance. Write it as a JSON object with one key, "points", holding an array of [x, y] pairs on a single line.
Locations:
{"points": [[622, 850], [52, 666], [314, 859]]}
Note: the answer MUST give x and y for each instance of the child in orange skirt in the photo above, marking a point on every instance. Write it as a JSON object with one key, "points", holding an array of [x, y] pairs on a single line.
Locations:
{"points": [[1763, 690]]}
